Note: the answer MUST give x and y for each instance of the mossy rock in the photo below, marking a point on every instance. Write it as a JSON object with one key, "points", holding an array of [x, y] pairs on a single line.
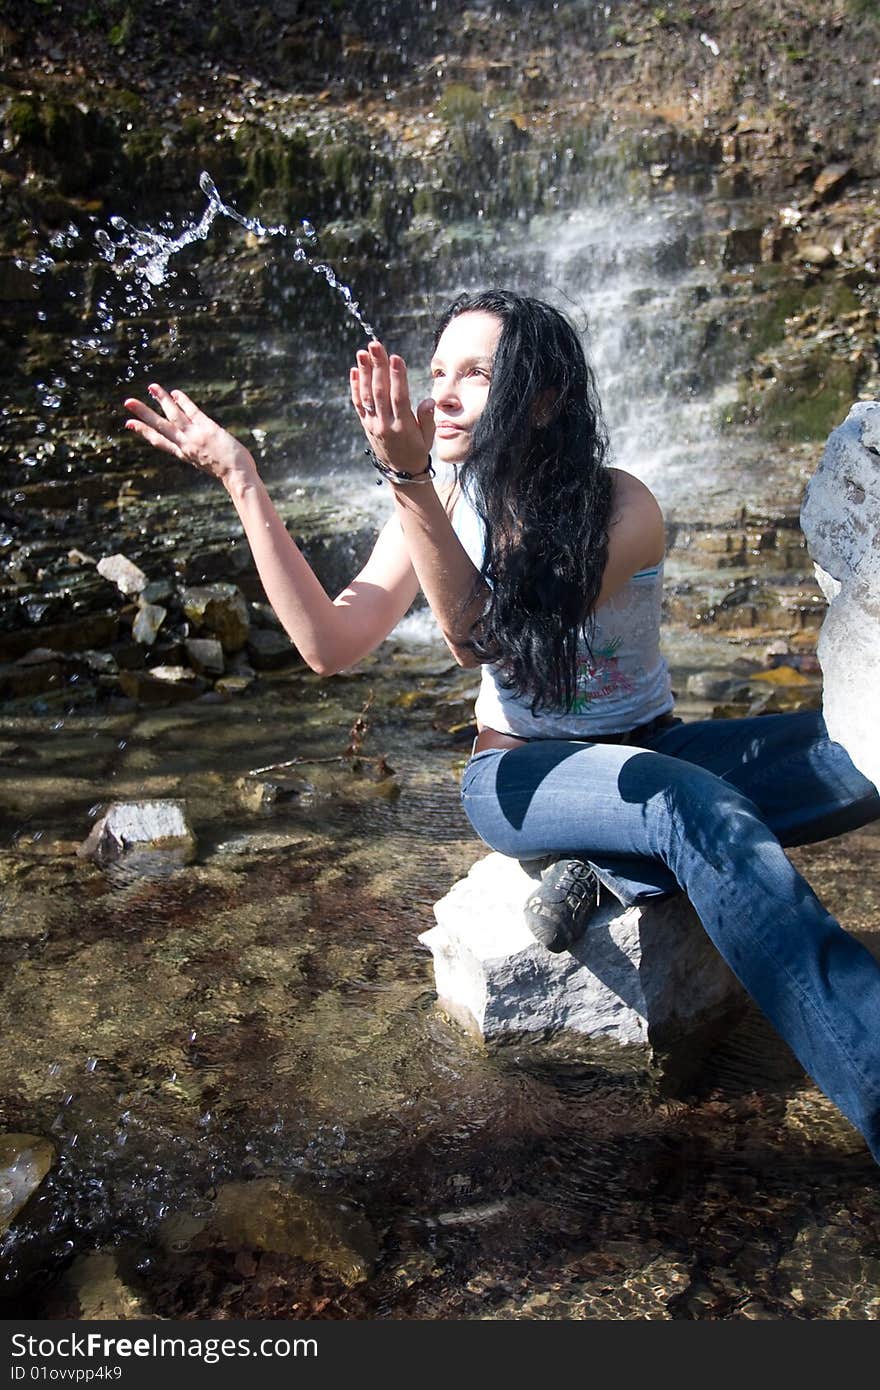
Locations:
{"points": [[351, 172], [78, 148], [682, 150], [343, 240], [280, 173], [461, 105], [808, 401], [23, 121], [786, 298]]}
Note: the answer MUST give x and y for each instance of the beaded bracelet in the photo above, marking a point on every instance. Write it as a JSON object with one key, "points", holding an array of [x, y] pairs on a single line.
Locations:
{"points": [[399, 476]]}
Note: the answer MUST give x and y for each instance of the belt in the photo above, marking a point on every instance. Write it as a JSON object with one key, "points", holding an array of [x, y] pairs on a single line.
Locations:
{"points": [[492, 738]]}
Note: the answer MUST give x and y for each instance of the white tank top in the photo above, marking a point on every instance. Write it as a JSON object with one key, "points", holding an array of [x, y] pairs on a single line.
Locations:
{"points": [[623, 680]]}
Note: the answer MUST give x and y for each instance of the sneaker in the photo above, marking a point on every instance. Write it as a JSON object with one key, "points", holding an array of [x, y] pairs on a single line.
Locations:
{"points": [[558, 913]]}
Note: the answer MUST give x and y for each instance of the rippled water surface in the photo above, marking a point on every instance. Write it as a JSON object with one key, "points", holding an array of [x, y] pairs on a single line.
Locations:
{"points": [[259, 1111]]}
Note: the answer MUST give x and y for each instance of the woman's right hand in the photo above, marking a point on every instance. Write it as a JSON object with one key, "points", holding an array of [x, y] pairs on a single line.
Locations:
{"points": [[187, 432]]}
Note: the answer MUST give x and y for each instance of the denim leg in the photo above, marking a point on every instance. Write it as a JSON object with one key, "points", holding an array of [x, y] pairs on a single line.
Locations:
{"points": [[818, 986], [805, 785]]}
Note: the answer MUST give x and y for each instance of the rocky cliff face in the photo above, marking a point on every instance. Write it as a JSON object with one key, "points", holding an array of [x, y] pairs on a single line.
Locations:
{"points": [[388, 125], [405, 134]]}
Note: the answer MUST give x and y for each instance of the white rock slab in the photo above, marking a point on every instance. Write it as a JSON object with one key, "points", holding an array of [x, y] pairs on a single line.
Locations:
{"points": [[642, 975], [840, 519]]}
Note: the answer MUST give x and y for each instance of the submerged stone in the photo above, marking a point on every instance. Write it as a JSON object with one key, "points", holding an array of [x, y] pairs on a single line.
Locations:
{"points": [[234, 684], [147, 838], [94, 1289], [162, 685], [264, 793], [271, 1215], [25, 1159]]}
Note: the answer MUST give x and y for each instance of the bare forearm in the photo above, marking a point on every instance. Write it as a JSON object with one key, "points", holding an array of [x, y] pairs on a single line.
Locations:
{"points": [[298, 599], [447, 576], [330, 634]]}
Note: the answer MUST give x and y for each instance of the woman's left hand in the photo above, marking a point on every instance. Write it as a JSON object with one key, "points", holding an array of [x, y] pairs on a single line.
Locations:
{"points": [[397, 434]]}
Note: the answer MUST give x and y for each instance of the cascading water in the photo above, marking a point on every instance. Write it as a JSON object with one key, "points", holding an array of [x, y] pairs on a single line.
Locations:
{"points": [[150, 253]]}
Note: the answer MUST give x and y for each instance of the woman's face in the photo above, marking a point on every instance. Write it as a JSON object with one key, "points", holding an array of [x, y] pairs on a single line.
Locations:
{"points": [[461, 371]]}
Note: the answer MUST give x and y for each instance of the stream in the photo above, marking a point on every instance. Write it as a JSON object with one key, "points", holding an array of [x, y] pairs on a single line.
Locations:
{"points": [[256, 1108]]}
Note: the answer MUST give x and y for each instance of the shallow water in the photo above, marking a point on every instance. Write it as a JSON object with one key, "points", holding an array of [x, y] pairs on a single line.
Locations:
{"points": [[266, 1017], [258, 1110]]}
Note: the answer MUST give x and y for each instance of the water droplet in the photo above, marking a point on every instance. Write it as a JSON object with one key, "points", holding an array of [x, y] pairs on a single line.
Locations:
{"points": [[208, 186]]}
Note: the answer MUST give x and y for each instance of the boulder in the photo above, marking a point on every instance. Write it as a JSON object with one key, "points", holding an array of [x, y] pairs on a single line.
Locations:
{"points": [[840, 518], [647, 976], [127, 577], [25, 1159], [221, 610], [147, 621], [162, 685], [205, 656], [143, 838], [290, 1219]]}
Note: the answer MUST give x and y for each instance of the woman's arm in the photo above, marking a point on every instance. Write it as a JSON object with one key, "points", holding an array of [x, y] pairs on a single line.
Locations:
{"points": [[402, 438], [636, 535], [330, 634]]}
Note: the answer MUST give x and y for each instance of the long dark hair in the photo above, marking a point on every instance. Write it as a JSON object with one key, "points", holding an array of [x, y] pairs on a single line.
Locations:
{"points": [[537, 477]]}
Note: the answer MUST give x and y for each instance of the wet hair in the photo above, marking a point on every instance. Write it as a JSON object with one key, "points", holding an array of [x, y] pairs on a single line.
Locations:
{"points": [[537, 477]]}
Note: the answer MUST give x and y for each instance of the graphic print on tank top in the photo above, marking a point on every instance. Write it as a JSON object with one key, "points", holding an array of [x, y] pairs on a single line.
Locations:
{"points": [[599, 676], [622, 679]]}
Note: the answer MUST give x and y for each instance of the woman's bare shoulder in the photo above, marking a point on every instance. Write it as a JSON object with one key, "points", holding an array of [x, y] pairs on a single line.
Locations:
{"points": [[637, 529], [630, 491]]}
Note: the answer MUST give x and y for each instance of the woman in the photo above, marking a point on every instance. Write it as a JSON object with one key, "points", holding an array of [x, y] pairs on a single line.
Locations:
{"points": [[544, 566]]}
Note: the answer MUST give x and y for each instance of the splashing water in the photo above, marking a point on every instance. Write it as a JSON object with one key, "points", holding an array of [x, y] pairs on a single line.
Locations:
{"points": [[151, 252]]}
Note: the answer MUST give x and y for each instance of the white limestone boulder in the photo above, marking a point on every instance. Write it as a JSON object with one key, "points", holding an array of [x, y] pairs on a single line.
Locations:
{"points": [[647, 976], [840, 519]]}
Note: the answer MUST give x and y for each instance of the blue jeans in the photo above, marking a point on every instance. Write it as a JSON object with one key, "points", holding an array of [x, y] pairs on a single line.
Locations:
{"points": [[707, 808]]}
